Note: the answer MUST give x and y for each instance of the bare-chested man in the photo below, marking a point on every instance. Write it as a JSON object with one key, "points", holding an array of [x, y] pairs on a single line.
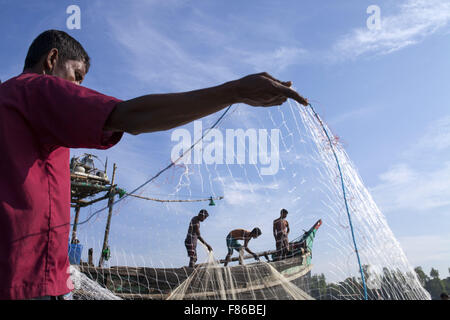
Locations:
{"points": [[193, 234], [232, 244], [280, 232]]}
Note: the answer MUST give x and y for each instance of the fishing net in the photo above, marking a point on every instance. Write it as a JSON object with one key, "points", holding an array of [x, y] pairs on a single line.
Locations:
{"points": [[243, 167], [256, 281]]}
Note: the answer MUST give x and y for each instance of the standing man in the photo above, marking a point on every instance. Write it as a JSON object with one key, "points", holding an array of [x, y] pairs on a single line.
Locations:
{"points": [[232, 244], [44, 111], [280, 232], [193, 234]]}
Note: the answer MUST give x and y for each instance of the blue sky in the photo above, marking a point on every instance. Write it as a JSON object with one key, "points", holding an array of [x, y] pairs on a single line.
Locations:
{"points": [[384, 93]]}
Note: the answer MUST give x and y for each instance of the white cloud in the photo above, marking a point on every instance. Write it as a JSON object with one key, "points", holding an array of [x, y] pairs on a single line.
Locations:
{"points": [[437, 137], [352, 115], [403, 188], [156, 57], [275, 60], [420, 181], [428, 251], [415, 20], [247, 192], [215, 54], [399, 174]]}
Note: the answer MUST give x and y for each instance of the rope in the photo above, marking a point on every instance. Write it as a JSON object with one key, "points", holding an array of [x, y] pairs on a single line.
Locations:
{"points": [[161, 171], [175, 200], [345, 199]]}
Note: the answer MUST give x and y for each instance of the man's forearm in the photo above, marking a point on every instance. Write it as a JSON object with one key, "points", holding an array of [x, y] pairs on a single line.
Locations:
{"points": [[201, 240], [159, 112]]}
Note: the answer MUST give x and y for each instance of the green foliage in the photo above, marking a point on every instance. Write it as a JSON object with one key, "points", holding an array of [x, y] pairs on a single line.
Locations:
{"points": [[423, 278], [434, 273], [352, 288], [436, 286], [433, 284]]}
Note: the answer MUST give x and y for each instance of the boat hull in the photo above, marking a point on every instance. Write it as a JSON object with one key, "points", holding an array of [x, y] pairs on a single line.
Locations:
{"points": [[254, 281]]}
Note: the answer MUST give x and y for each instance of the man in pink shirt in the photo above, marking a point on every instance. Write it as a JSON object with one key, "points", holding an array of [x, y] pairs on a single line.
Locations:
{"points": [[43, 112]]}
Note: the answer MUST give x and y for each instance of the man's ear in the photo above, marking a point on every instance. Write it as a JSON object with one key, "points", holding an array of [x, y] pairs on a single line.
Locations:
{"points": [[50, 61]]}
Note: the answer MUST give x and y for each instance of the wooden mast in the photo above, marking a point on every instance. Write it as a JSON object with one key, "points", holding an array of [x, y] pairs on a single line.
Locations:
{"points": [[75, 223], [112, 193]]}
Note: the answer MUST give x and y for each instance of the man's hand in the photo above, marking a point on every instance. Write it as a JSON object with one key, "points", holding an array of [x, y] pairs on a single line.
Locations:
{"points": [[262, 89], [256, 257], [209, 247], [159, 112]]}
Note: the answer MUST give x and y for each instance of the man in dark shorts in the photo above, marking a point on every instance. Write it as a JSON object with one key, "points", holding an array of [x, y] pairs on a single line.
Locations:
{"points": [[44, 112], [193, 235], [280, 233], [232, 244]]}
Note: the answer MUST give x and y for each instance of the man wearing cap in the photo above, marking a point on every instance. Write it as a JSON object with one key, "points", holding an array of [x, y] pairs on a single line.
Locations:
{"points": [[193, 234]]}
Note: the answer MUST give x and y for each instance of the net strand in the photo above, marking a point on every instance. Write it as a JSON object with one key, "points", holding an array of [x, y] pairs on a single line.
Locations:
{"points": [[162, 170], [310, 174], [345, 199]]}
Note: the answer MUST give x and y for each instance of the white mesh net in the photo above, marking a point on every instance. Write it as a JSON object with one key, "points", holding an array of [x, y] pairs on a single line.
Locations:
{"points": [[146, 240]]}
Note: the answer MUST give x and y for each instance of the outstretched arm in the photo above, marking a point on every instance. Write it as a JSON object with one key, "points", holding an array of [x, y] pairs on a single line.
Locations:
{"points": [[197, 231], [159, 112], [248, 249], [204, 242]]}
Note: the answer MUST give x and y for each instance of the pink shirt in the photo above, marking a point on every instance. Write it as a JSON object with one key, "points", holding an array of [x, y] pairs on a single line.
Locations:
{"points": [[41, 117]]}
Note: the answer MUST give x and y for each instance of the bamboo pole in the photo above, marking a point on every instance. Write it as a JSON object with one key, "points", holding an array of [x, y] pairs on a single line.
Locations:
{"points": [[245, 257], [91, 257], [75, 223], [108, 222], [165, 200], [249, 256], [264, 254]]}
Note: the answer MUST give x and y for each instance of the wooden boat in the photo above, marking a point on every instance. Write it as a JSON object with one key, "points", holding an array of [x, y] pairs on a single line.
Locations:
{"points": [[250, 281]]}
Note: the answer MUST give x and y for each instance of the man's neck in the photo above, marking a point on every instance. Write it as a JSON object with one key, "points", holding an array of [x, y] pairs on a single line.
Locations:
{"points": [[34, 70]]}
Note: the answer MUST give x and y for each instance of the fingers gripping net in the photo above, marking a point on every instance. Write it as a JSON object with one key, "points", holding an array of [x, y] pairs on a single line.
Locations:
{"points": [[148, 256]]}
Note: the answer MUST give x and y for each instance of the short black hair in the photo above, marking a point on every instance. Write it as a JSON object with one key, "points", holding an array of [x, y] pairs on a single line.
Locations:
{"points": [[257, 232], [68, 48], [203, 212], [283, 211]]}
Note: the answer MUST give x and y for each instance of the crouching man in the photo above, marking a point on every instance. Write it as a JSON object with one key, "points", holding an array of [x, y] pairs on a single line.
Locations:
{"points": [[232, 244]]}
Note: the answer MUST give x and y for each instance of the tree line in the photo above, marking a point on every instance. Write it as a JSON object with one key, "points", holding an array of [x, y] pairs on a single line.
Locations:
{"points": [[386, 285]]}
